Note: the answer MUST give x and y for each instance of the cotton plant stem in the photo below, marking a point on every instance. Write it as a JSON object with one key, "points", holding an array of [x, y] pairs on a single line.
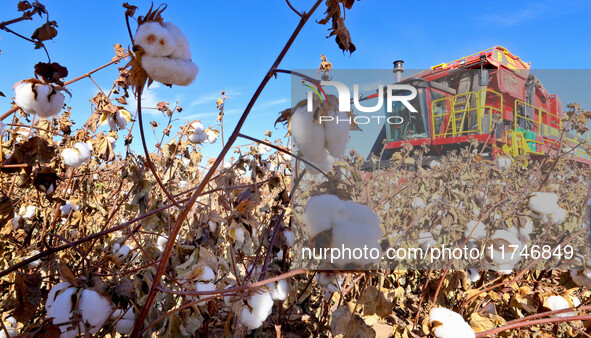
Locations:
{"points": [[185, 211]]}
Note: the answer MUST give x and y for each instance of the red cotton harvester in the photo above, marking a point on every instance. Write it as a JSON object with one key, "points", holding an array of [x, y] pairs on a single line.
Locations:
{"points": [[489, 97]]}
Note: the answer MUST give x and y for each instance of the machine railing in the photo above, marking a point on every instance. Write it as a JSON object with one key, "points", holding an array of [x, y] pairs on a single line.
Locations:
{"points": [[447, 120]]}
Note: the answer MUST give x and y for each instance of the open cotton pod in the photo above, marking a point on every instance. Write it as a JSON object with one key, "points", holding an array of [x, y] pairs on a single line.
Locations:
{"points": [[36, 97], [75, 157], [166, 57], [445, 323]]}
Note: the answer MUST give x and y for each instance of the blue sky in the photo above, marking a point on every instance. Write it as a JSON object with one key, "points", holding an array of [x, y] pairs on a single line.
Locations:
{"points": [[235, 44]]}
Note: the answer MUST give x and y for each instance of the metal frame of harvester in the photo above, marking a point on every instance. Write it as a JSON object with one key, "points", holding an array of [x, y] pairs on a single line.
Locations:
{"points": [[490, 97]]}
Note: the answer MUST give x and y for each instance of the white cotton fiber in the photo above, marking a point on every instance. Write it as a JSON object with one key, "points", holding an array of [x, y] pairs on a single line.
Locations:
{"points": [[352, 235], [198, 137], [197, 127], [181, 47], [27, 211], [325, 165], [505, 259], [559, 303], [472, 275], [452, 324], [125, 320], [206, 274], [121, 118], [321, 212], [59, 307], [289, 237], [95, 310], [479, 232], [259, 308], [77, 156], [307, 135], [40, 99], [363, 214], [279, 289], [211, 136], [155, 39], [336, 135], [556, 216], [204, 286], [11, 326], [543, 202], [263, 148], [170, 71], [121, 253]]}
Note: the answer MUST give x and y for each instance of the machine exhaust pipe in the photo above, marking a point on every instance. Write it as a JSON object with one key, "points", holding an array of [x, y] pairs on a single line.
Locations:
{"points": [[398, 70]]}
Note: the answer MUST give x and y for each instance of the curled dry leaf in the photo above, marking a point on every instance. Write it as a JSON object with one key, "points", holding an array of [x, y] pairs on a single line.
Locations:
{"points": [[45, 32]]}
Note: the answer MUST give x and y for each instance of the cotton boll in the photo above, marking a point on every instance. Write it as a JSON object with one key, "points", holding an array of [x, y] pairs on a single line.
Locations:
{"points": [[11, 326], [197, 127], [558, 216], [472, 275], [479, 232], [170, 71], [352, 235], [363, 214], [121, 118], [198, 137], [181, 47], [336, 133], [66, 208], [121, 253], [95, 309], [237, 233], [289, 237], [259, 308], [51, 297], [59, 307], [321, 212], [125, 321], [307, 135], [418, 203], [161, 242], [325, 165], [211, 136], [77, 156], [206, 274], [27, 211], [505, 253], [204, 286], [24, 97], [41, 99], [279, 290], [434, 164], [543, 202], [16, 221], [155, 39], [445, 323], [263, 148], [182, 184], [559, 303]]}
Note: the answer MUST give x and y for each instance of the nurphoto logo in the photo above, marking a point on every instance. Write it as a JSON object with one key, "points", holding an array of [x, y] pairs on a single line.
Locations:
{"points": [[344, 96]]}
